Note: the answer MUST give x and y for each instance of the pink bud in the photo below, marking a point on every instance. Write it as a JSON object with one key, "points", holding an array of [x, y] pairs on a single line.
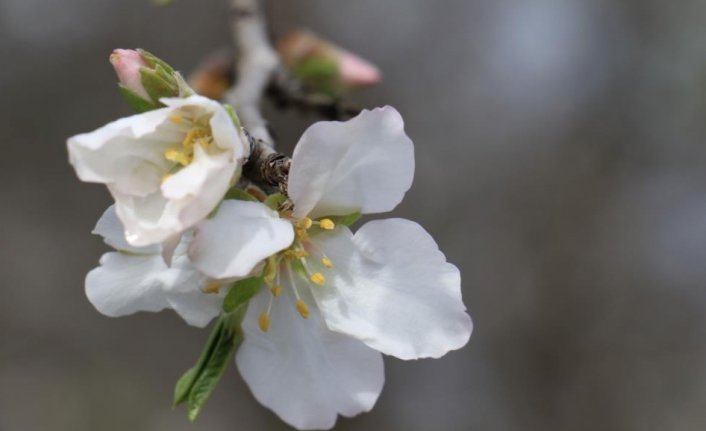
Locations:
{"points": [[353, 71], [127, 64], [356, 71]]}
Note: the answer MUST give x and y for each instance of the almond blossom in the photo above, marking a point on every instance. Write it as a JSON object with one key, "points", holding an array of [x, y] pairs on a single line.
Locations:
{"points": [[167, 169], [336, 300]]}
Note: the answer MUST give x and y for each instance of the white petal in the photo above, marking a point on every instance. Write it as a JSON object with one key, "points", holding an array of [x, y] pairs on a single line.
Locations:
{"points": [[111, 229], [237, 238], [302, 371], [392, 288], [125, 284], [127, 153], [365, 164], [185, 294]]}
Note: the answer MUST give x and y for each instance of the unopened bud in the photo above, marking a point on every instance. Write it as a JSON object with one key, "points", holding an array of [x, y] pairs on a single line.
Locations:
{"points": [[127, 64], [324, 66], [145, 79]]}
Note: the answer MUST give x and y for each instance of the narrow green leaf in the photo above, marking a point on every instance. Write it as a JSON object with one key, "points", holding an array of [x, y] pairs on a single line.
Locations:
{"points": [[241, 292], [183, 386], [238, 194], [228, 341], [186, 382], [274, 200], [136, 101]]}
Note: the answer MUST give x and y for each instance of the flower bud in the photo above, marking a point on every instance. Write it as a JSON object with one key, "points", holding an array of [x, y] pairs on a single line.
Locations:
{"points": [[324, 66], [127, 64], [145, 79]]}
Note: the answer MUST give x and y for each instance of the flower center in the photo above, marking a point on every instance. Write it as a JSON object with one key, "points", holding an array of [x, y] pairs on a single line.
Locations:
{"points": [[297, 263], [195, 134]]}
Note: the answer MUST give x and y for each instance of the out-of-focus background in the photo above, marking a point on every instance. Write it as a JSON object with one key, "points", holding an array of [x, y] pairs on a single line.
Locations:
{"points": [[560, 164]]}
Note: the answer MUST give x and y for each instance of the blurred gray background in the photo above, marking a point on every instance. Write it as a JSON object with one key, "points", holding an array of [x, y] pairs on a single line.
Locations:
{"points": [[560, 164]]}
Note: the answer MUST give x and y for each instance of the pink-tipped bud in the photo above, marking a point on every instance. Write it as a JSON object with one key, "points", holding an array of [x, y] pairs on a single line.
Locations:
{"points": [[358, 72], [127, 64], [301, 46]]}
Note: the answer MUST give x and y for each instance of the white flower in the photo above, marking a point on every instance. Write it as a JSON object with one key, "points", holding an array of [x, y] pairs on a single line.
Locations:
{"points": [[312, 338], [167, 169], [137, 279]]}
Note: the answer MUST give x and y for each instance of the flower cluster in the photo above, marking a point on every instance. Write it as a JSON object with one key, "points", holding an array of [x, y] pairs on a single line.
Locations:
{"points": [[317, 303]]}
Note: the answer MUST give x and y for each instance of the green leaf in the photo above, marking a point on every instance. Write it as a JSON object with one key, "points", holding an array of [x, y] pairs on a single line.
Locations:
{"points": [[233, 116], [156, 86], [241, 292], [186, 382], [229, 338], [136, 102], [240, 195], [274, 200], [347, 219], [183, 386]]}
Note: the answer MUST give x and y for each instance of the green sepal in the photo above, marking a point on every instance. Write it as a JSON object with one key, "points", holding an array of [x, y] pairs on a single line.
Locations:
{"points": [[152, 60], [156, 85], [274, 200], [136, 102], [239, 195], [184, 90], [347, 219], [233, 116], [241, 292]]}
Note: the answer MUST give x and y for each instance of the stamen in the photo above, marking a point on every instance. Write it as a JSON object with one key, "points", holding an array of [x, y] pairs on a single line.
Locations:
{"points": [[296, 254], [264, 322], [212, 287], [166, 177], [302, 309], [325, 261], [276, 290], [176, 119], [305, 223], [318, 278], [177, 156], [302, 236], [301, 305], [327, 224]]}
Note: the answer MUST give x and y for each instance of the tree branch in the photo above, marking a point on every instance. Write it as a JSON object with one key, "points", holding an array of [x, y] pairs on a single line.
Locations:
{"points": [[257, 61]]}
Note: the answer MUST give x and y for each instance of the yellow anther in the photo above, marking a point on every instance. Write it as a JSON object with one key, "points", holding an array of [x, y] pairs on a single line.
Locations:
{"points": [[305, 223], [325, 261], [302, 235], [264, 322], [212, 287], [276, 290], [318, 278], [327, 224], [166, 177], [302, 308], [174, 155], [176, 119]]}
